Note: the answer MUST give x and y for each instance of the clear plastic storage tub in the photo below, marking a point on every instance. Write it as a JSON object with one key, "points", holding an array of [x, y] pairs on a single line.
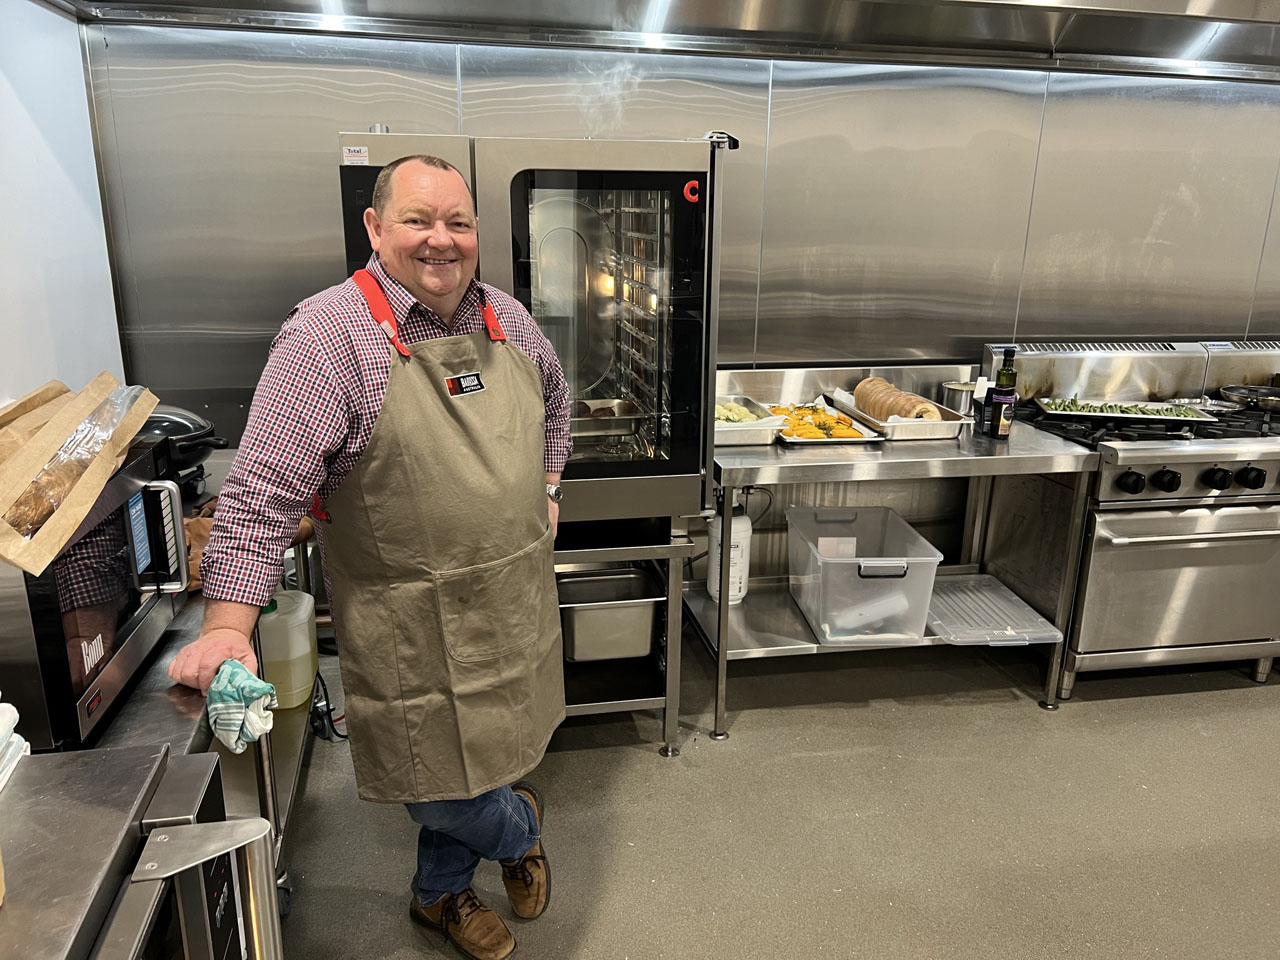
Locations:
{"points": [[860, 575]]}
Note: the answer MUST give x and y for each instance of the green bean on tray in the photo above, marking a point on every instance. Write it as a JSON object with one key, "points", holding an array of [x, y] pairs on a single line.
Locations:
{"points": [[1076, 405]]}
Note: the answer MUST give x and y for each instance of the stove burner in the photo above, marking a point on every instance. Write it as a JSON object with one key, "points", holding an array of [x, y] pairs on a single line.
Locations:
{"points": [[1091, 432]]}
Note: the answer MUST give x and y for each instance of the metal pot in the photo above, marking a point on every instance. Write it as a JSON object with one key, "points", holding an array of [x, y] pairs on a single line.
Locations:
{"points": [[189, 436], [958, 396], [1265, 398]]}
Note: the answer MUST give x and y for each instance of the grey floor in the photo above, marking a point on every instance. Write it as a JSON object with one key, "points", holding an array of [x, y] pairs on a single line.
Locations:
{"points": [[902, 804]]}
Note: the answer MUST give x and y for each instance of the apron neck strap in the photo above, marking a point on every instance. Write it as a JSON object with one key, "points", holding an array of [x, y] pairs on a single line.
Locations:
{"points": [[386, 318], [380, 308], [496, 333]]}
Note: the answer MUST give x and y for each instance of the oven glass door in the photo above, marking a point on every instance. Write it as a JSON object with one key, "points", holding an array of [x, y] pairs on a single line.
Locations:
{"points": [[1179, 576], [611, 266]]}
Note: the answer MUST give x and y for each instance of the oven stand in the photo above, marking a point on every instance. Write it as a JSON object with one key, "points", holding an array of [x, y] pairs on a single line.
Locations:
{"points": [[1261, 652], [669, 558]]}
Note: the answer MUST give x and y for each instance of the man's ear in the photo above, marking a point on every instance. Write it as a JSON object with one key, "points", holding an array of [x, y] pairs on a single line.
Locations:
{"points": [[373, 224]]}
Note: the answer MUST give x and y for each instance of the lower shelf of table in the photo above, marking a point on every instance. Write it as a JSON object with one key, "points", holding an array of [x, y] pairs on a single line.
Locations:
{"points": [[613, 686], [767, 623]]}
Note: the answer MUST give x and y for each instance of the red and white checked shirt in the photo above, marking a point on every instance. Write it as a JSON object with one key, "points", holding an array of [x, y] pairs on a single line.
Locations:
{"points": [[315, 408]]}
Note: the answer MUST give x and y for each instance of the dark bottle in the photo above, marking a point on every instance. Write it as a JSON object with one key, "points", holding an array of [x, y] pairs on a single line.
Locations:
{"points": [[1003, 398]]}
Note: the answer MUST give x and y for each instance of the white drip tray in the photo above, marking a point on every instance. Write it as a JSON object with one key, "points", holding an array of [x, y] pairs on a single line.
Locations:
{"points": [[979, 609]]}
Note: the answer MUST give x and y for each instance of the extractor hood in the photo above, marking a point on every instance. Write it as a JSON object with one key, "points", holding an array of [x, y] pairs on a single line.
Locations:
{"points": [[1238, 38]]}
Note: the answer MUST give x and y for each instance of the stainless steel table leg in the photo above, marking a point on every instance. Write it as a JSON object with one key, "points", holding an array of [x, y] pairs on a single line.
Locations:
{"points": [[302, 565], [1050, 701], [1067, 685], [675, 603], [1262, 669], [719, 730], [257, 868], [1058, 682], [268, 803]]}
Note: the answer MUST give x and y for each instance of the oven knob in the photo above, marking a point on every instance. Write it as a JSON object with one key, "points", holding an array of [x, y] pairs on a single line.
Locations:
{"points": [[1131, 482], [1217, 477], [1166, 480], [1254, 478]]}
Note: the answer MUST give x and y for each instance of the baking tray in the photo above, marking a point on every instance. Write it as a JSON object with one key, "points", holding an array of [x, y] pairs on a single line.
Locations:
{"points": [[871, 437], [624, 422], [1199, 415], [747, 434], [948, 428]]}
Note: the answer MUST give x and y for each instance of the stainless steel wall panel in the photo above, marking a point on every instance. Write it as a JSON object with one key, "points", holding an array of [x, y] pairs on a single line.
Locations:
{"points": [[224, 186], [519, 92], [1150, 205], [896, 210], [1264, 319]]}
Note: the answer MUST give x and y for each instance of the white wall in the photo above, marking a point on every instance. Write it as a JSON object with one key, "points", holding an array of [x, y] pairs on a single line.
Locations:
{"points": [[57, 315]]}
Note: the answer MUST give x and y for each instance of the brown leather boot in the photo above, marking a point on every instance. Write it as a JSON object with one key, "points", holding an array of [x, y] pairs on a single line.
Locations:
{"points": [[473, 928], [528, 880]]}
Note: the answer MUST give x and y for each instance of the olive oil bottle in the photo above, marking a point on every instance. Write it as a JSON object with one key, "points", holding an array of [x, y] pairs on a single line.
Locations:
{"points": [[1003, 398]]}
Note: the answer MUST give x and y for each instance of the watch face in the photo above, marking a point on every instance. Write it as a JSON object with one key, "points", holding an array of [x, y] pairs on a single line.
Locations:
{"points": [[555, 493]]}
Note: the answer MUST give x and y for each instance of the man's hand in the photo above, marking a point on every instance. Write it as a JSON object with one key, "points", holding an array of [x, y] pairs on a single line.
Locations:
{"points": [[197, 663], [553, 514]]}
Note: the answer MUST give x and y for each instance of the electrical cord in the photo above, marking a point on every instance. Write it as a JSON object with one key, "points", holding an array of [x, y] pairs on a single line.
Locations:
{"points": [[747, 499], [325, 721], [746, 494]]}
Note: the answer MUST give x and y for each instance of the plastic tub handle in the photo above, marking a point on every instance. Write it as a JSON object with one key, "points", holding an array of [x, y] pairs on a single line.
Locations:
{"points": [[882, 570]]}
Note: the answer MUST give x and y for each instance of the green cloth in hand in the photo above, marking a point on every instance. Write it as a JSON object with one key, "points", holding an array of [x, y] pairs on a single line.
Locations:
{"points": [[239, 706]]}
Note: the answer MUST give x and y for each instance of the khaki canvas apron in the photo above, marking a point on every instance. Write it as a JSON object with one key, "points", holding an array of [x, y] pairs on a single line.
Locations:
{"points": [[440, 558]]}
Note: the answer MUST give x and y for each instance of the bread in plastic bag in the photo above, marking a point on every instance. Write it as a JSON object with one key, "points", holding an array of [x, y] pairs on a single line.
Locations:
{"points": [[37, 503]]}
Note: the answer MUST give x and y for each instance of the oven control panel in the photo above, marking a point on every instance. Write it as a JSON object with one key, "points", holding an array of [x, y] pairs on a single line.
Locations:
{"points": [[1189, 479]]}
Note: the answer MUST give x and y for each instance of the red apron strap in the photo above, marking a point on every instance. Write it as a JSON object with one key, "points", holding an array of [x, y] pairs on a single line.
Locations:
{"points": [[380, 308], [317, 508], [496, 333]]}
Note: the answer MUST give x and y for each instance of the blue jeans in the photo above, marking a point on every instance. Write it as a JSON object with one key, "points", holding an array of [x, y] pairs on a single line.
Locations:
{"points": [[457, 834]]}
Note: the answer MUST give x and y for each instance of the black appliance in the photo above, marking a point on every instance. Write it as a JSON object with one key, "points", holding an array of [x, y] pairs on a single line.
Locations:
{"points": [[73, 638]]}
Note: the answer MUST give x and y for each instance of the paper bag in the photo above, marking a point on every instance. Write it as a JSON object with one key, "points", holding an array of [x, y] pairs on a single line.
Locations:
{"points": [[22, 419], [77, 486]]}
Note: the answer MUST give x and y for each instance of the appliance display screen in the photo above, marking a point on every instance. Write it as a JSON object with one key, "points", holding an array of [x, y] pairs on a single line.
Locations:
{"points": [[138, 526]]}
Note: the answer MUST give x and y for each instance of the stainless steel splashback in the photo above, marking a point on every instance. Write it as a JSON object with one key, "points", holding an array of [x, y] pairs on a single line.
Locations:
{"points": [[219, 153], [801, 386], [1150, 208], [1106, 371], [1253, 363], [895, 211], [876, 213]]}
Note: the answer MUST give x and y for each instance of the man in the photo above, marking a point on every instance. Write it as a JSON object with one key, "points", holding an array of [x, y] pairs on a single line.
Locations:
{"points": [[421, 409]]}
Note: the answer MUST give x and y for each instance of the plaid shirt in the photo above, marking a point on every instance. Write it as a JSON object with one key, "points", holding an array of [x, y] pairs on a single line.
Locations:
{"points": [[95, 569], [315, 408]]}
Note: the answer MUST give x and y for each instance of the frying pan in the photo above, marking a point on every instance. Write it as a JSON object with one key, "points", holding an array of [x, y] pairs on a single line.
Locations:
{"points": [[1265, 398], [189, 436]]}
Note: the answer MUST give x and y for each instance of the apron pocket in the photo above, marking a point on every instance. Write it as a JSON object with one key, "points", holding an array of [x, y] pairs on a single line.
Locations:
{"points": [[493, 609]]}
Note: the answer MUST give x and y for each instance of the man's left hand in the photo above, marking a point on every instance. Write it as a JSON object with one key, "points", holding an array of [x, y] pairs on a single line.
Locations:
{"points": [[553, 514]]}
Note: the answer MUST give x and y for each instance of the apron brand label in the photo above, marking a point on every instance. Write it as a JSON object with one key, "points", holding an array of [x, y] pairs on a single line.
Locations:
{"points": [[467, 383]]}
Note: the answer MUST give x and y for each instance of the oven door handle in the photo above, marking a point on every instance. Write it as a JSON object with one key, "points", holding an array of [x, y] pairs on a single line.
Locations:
{"points": [[1192, 537]]}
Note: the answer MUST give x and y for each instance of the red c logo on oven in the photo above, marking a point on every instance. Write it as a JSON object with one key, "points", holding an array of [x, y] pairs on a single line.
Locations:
{"points": [[691, 191]]}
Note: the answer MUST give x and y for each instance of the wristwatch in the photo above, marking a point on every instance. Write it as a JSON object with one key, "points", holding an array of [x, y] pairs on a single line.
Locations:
{"points": [[554, 492]]}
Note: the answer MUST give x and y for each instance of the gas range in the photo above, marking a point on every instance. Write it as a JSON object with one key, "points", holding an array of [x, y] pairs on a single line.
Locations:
{"points": [[1238, 456], [1180, 540]]}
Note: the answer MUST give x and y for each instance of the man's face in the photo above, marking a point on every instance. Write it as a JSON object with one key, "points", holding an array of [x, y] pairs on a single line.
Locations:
{"points": [[426, 235]]}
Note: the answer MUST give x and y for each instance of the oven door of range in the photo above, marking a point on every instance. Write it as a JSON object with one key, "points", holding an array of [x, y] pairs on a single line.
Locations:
{"points": [[1179, 576]]}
